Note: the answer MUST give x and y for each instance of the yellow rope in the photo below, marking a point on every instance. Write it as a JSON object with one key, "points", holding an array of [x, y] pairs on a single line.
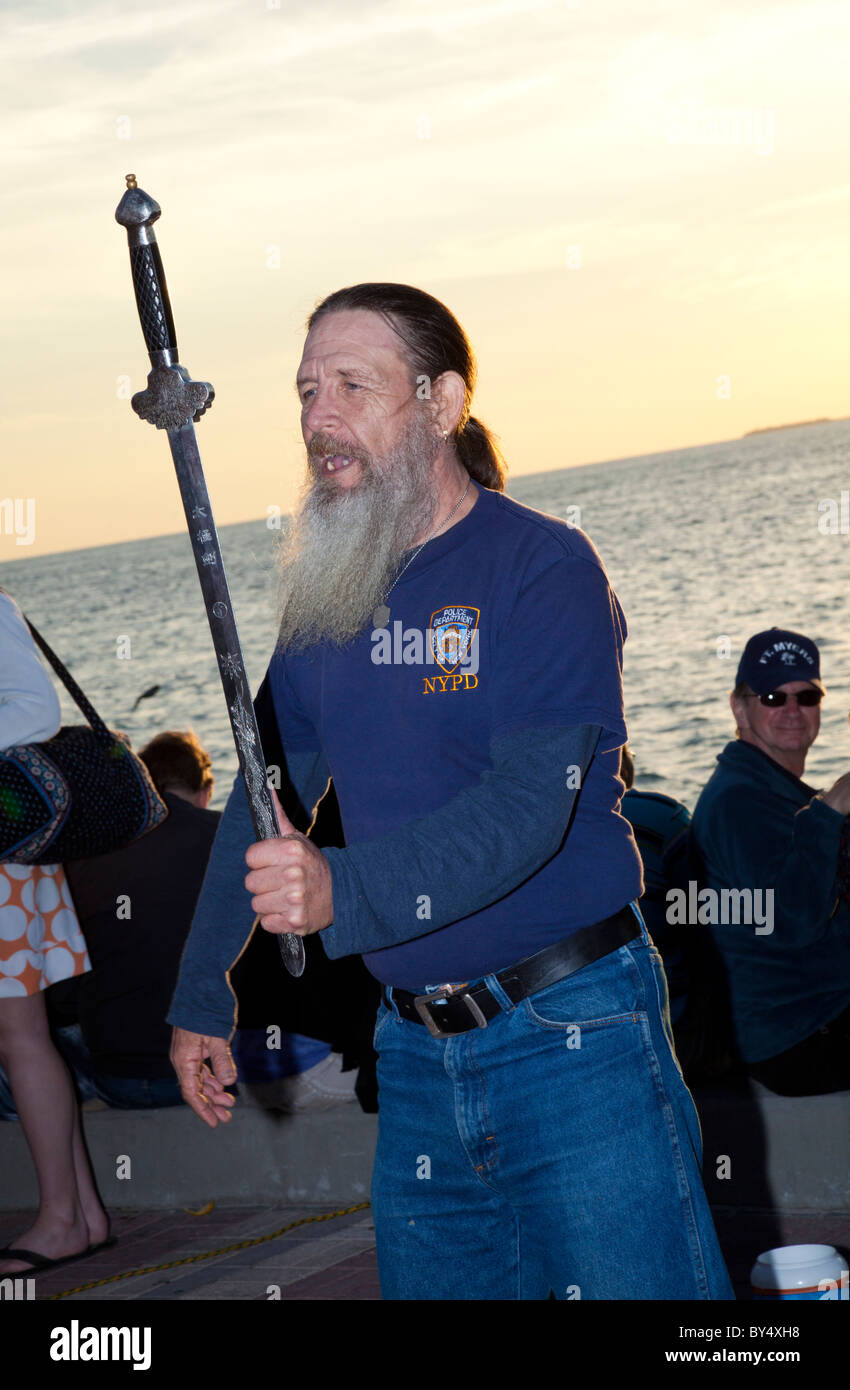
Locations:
{"points": [[209, 1254]]}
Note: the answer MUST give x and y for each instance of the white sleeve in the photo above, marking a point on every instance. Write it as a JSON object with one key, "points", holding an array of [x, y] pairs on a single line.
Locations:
{"points": [[29, 705]]}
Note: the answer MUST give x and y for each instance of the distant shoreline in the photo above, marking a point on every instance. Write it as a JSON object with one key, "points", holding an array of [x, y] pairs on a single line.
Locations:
{"points": [[797, 425]]}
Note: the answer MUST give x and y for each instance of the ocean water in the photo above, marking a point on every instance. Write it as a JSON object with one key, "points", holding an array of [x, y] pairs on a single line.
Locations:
{"points": [[704, 546]]}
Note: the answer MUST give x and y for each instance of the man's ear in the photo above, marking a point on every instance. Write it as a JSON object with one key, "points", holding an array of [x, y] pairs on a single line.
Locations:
{"points": [[737, 704], [448, 397]]}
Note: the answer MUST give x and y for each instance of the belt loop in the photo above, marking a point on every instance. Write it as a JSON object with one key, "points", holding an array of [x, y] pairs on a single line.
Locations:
{"points": [[643, 928], [498, 993], [390, 1002]]}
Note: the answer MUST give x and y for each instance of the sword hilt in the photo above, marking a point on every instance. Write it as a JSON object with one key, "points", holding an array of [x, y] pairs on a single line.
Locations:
{"points": [[172, 399], [137, 211]]}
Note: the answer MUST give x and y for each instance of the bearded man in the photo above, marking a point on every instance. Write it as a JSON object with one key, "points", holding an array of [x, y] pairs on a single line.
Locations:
{"points": [[536, 1138]]}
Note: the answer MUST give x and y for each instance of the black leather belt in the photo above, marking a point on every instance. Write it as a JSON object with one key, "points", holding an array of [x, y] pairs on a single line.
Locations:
{"points": [[466, 1008]]}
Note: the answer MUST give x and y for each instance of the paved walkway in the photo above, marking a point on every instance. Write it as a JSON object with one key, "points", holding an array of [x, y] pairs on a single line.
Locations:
{"points": [[329, 1258]]}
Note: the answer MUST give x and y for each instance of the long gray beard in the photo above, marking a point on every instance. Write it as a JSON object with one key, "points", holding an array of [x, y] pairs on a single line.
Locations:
{"points": [[344, 547]]}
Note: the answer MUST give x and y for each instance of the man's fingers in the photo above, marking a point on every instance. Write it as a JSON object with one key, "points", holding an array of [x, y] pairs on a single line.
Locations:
{"points": [[192, 1091], [270, 880], [276, 923], [224, 1069], [267, 854], [200, 1089], [207, 1097]]}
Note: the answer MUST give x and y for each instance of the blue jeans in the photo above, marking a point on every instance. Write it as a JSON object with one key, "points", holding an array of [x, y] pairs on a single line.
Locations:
{"points": [[557, 1150], [137, 1093]]}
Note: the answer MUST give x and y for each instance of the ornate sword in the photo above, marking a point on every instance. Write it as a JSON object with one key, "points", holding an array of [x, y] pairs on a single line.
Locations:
{"points": [[172, 402]]}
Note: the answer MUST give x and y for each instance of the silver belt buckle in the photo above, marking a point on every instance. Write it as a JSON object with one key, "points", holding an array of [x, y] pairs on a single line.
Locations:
{"points": [[422, 1001]]}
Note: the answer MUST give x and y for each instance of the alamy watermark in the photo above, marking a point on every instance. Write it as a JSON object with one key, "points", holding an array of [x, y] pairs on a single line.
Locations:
{"points": [[834, 518], [452, 646], [17, 518], [721, 907], [722, 125]]}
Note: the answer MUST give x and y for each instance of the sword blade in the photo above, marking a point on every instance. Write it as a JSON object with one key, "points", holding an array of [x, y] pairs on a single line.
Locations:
{"points": [[228, 650]]}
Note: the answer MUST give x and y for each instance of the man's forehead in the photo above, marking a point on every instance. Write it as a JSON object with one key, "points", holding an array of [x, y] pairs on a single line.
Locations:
{"points": [[358, 334]]}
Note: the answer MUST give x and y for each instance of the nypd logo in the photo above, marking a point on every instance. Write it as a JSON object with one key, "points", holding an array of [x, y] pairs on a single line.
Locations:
{"points": [[453, 633]]}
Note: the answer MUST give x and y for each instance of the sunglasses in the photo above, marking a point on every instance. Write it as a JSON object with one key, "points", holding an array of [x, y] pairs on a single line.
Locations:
{"points": [[775, 699]]}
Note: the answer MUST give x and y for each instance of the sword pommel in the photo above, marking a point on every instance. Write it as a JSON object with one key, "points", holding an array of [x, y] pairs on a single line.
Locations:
{"points": [[137, 208]]}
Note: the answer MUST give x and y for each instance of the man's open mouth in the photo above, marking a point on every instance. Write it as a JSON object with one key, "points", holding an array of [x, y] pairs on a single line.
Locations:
{"points": [[333, 463]]}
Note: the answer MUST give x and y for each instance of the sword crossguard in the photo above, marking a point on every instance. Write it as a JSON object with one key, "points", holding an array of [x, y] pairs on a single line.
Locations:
{"points": [[172, 399]]}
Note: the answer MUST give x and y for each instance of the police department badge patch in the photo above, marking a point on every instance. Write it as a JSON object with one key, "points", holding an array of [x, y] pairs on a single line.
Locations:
{"points": [[453, 630]]}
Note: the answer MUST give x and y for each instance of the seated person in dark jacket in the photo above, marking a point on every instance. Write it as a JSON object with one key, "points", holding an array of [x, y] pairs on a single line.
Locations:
{"points": [[661, 831], [769, 848], [135, 907]]}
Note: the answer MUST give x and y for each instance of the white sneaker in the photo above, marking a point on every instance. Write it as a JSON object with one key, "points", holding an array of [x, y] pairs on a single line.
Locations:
{"points": [[319, 1088]]}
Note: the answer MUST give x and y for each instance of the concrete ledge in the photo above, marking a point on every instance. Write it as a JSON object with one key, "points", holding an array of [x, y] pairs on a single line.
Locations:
{"points": [[175, 1160], [784, 1154]]}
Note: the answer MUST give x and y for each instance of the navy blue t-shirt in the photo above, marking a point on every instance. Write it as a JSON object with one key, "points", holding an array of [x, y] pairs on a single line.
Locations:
{"points": [[524, 598]]}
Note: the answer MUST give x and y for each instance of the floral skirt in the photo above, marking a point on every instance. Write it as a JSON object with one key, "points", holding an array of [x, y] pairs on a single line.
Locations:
{"points": [[40, 937]]}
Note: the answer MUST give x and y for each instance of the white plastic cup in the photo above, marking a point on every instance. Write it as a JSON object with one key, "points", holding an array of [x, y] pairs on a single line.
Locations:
{"points": [[813, 1272]]}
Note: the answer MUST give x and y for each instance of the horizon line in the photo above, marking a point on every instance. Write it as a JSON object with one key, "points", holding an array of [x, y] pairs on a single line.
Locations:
{"points": [[540, 473]]}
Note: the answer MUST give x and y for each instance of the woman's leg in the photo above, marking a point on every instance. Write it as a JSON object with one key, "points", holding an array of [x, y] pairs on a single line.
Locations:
{"points": [[70, 1214]]}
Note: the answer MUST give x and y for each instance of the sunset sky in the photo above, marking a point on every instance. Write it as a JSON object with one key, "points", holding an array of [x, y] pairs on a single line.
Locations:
{"points": [[638, 211]]}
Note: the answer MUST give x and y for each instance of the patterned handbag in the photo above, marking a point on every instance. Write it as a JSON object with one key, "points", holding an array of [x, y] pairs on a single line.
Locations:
{"points": [[79, 794]]}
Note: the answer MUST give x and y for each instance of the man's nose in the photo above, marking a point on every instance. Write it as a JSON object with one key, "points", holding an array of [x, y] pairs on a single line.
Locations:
{"points": [[321, 412]]}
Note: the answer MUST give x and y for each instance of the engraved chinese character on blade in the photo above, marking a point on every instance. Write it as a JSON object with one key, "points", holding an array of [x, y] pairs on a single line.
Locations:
{"points": [[231, 666]]}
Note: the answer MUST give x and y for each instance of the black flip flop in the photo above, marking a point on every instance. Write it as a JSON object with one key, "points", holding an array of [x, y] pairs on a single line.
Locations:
{"points": [[42, 1263], [102, 1245]]}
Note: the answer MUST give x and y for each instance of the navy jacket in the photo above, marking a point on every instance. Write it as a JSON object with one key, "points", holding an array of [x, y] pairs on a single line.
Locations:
{"points": [[756, 826]]}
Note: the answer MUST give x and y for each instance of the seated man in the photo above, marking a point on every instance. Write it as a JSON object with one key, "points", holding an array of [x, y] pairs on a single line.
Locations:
{"points": [[768, 847]]}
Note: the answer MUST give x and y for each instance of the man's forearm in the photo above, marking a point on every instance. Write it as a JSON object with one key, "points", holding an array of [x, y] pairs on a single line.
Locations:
{"points": [[483, 843], [806, 882], [750, 847], [203, 1001]]}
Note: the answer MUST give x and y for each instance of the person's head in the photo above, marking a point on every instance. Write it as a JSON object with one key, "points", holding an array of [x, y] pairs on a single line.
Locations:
{"points": [[385, 384], [177, 763], [627, 766], [776, 667]]}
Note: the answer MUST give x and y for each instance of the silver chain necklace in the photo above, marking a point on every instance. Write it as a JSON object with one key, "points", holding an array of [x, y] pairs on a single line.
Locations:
{"points": [[381, 615]]}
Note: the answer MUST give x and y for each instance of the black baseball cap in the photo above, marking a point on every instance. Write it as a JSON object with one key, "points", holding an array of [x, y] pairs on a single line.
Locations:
{"points": [[773, 657]]}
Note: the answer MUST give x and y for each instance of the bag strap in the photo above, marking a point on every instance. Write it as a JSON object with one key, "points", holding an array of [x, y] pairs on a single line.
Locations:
{"points": [[71, 686], [68, 681]]}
